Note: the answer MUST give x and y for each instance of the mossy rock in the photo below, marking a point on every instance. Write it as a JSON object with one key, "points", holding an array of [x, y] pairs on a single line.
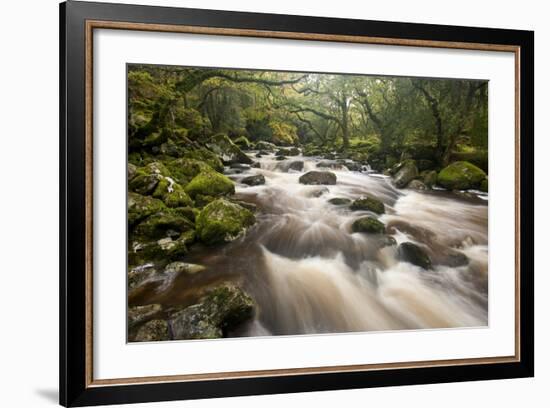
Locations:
{"points": [[221, 310], [146, 178], [222, 221], [461, 175], [172, 193], [205, 155], [154, 330], [140, 274], [339, 201], [227, 150], [184, 169], [368, 225], [140, 314], [412, 253], [159, 224], [484, 186], [368, 204], [430, 178], [141, 207], [266, 146], [209, 183]]}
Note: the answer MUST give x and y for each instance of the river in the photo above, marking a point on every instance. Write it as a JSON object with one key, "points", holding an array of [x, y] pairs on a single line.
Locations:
{"points": [[309, 274]]}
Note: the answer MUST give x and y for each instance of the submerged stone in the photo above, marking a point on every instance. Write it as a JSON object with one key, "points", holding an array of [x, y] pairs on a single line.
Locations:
{"points": [[318, 178], [255, 180]]}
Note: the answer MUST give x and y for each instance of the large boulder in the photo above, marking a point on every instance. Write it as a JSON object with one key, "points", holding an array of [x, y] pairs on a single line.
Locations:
{"points": [[255, 180], [154, 330], [368, 204], [209, 183], [368, 225], [412, 253], [221, 310], [407, 172], [222, 221], [461, 175], [227, 150], [318, 178], [141, 207]]}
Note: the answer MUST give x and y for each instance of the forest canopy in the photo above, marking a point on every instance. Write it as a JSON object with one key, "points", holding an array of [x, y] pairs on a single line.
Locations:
{"points": [[381, 117]]}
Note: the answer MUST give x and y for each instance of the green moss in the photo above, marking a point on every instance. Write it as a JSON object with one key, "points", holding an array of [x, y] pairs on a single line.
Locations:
{"points": [[209, 183], [147, 177], [368, 204], [160, 223], [339, 201], [184, 169], [484, 186], [368, 225], [461, 175], [222, 221], [207, 156], [141, 207], [172, 193]]}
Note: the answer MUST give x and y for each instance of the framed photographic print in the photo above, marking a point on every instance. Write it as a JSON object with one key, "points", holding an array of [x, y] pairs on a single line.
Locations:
{"points": [[255, 203]]}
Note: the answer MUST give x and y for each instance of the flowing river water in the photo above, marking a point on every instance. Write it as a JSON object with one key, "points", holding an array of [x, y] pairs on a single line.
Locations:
{"points": [[309, 274]]}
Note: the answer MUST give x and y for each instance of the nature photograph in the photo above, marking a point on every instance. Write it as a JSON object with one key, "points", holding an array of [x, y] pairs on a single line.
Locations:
{"points": [[268, 203]]}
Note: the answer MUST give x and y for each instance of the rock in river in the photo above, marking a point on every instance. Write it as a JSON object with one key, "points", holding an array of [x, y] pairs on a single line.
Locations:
{"points": [[368, 225], [412, 253], [318, 178], [407, 172], [154, 330], [221, 310], [255, 180], [368, 204]]}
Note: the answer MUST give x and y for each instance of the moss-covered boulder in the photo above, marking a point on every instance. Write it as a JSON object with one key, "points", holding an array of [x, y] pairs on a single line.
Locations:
{"points": [[412, 253], [227, 150], [368, 225], [183, 169], [209, 183], [368, 204], [222, 221], [221, 310], [339, 201], [146, 178], [172, 193], [205, 155], [154, 330], [164, 223], [318, 178], [141, 207], [406, 171], [461, 175]]}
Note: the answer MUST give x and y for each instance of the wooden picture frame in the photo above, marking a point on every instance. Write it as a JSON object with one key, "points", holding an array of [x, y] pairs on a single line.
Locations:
{"points": [[78, 20]]}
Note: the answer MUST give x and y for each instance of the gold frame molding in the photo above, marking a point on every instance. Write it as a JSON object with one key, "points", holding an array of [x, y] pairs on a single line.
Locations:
{"points": [[116, 25]]}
